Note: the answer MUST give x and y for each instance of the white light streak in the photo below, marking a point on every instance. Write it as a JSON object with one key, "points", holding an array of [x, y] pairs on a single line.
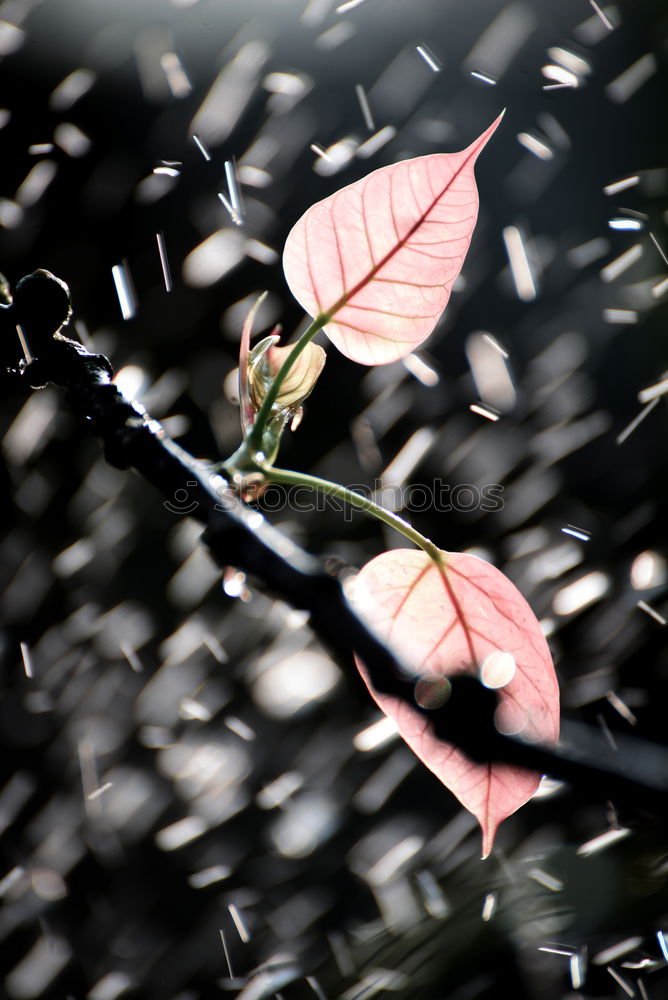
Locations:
{"points": [[617, 186], [376, 142], [659, 289], [603, 841], [233, 188], [653, 391], [624, 983], [520, 268], [35, 183], [226, 952], [348, 5], [536, 146], [545, 879], [242, 930], [575, 968], [484, 411], [627, 83], [164, 262], [27, 661], [648, 570], [97, 792], [336, 156], [621, 263], [230, 210], [621, 438], [485, 78], [489, 906], [557, 950], [11, 878], [430, 59], [124, 289], [132, 658], [651, 612], [364, 105], [202, 148], [602, 16], [39, 148], [584, 536], [621, 707], [663, 945], [623, 225], [562, 77], [658, 246]]}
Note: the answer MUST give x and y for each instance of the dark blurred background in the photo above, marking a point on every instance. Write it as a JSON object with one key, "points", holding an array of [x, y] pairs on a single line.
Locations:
{"points": [[196, 800]]}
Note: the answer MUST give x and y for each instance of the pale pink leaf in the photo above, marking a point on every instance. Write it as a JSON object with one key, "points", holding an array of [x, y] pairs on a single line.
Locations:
{"points": [[465, 616], [380, 256]]}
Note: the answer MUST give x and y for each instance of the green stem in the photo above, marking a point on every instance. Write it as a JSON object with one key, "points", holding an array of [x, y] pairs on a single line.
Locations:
{"points": [[254, 439], [288, 478]]}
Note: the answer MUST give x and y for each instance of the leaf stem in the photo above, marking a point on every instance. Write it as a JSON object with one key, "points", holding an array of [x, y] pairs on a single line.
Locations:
{"points": [[289, 478], [254, 438]]}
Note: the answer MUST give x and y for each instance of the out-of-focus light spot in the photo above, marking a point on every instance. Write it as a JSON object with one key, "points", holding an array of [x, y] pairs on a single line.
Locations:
{"points": [[501, 40], [622, 263], [38, 968], [40, 148], [520, 268], [48, 884], [545, 879], [71, 139], [490, 373], [603, 841], [111, 986], [648, 570], [131, 380], [253, 176], [71, 89], [376, 142], [376, 735], [279, 790], [170, 838], [35, 183], [260, 252], [586, 253], [624, 317], [5, 115], [627, 83], [156, 185], [175, 75], [230, 93], [305, 824], [11, 38], [497, 669], [422, 371], [335, 157], [293, 682], [579, 595], [209, 876], [289, 84], [562, 77], [215, 257], [576, 64], [653, 391], [625, 224], [335, 36], [547, 788], [11, 214]]}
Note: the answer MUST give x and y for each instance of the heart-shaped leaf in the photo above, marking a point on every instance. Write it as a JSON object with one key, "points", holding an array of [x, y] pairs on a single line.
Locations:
{"points": [[380, 256], [464, 616]]}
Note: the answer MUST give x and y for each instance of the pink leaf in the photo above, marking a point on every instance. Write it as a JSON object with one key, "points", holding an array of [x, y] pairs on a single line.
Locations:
{"points": [[464, 616], [382, 254]]}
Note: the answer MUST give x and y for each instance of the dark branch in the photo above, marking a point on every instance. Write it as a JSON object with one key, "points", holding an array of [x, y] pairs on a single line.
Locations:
{"points": [[240, 537]]}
